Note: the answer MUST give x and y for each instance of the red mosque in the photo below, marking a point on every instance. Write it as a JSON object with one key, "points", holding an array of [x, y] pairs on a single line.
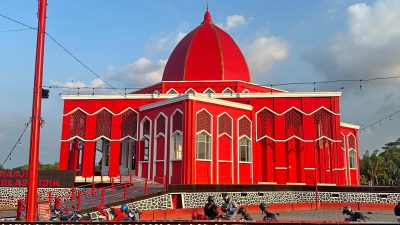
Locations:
{"points": [[206, 123]]}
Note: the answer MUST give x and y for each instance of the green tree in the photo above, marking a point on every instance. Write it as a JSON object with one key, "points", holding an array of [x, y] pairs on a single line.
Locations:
{"points": [[52, 166], [381, 168]]}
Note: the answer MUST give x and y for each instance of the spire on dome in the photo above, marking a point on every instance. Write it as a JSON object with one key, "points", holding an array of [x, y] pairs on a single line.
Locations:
{"points": [[207, 15]]}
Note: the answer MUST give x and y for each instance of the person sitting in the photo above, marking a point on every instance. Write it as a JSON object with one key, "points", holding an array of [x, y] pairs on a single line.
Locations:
{"points": [[353, 216], [268, 215], [244, 215], [210, 209], [397, 211], [229, 207]]}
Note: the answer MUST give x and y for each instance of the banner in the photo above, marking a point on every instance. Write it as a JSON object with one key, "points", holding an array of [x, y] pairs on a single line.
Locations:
{"points": [[47, 178]]}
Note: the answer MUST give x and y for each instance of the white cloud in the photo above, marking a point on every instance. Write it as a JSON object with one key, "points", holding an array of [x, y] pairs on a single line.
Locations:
{"points": [[370, 46], [158, 45], [233, 21], [264, 52], [179, 36], [141, 73]]}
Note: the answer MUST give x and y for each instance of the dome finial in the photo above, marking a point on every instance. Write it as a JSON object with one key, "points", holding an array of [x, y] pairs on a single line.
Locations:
{"points": [[207, 15]]}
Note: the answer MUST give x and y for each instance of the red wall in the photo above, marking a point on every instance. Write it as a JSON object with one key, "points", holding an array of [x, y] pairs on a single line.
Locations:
{"points": [[280, 157]]}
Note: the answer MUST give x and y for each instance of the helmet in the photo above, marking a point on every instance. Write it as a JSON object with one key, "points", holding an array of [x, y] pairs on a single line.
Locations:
{"points": [[263, 206], [210, 198], [241, 210], [124, 208], [347, 210]]}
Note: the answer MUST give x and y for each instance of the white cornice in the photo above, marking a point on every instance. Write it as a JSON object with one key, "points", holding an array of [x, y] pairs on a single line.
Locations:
{"points": [[212, 81], [213, 95], [348, 125], [197, 98]]}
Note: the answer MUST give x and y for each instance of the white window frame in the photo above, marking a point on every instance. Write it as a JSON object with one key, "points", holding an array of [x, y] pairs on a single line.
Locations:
{"points": [[207, 144], [249, 147]]}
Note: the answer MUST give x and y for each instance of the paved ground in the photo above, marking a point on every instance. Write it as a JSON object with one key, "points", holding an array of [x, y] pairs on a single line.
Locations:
{"points": [[331, 215], [376, 217]]}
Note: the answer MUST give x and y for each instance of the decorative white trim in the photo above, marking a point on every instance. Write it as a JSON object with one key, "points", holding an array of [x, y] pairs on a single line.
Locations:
{"points": [[309, 168], [298, 138], [204, 160], [163, 134], [216, 81], [228, 90], [190, 90], [151, 143], [225, 161], [295, 183], [172, 90], [280, 168], [238, 146], [204, 98], [245, 91], [103, 108], [348, 125], [265, 182], [171, 122], [231, 152], [209, 89], [299, 110], [211, 145]]}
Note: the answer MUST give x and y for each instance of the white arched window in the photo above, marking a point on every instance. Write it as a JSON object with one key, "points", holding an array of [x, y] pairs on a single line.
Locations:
{"points": [[352, 159], [176, 144], [203, 145], [244, 149]]}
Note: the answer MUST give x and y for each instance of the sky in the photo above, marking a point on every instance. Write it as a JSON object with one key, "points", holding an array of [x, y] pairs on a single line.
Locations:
{"points": [[127, 43]]}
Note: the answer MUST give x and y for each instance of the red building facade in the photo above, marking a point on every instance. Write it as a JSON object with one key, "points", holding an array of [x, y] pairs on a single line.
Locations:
{"points": [[206, 123]]}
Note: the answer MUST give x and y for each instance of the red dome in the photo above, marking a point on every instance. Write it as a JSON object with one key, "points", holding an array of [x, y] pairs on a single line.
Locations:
{"points": [[206, 53]]}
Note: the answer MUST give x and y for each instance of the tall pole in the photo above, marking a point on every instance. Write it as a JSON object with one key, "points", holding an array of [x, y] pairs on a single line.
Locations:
{"points": [[36, 118]]}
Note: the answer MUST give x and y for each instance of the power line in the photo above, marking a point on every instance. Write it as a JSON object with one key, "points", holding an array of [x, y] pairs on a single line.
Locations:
{"points": [[66, 50], [16, 21], [82, 63], [13, 30], [372, 125], [16, 143], [335, 81]]}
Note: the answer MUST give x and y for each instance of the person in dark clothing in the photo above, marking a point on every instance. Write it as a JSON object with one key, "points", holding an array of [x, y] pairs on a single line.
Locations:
{"points": [[353, 216], [210, 209], [397, 211], [268, 215], [244, 215]]}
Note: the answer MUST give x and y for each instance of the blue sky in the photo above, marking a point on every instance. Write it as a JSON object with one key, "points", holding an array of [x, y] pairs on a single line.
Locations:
{"points": [[128, 43]]}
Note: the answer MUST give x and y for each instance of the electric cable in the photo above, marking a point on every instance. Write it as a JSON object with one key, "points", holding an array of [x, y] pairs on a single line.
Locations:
{"points": [[66, 50], [16, 143], [390, 117]]}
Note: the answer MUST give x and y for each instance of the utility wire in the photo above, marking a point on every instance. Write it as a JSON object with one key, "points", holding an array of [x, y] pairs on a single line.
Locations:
{"points": [[267, 85], [334, 81], [66, 50], [13, 30], [16, 21], [389, 117], [82, 63], [16, 143]]}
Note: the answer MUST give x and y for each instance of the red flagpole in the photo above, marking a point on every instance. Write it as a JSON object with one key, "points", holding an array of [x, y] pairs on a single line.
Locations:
{"points": [[31, 208]]}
